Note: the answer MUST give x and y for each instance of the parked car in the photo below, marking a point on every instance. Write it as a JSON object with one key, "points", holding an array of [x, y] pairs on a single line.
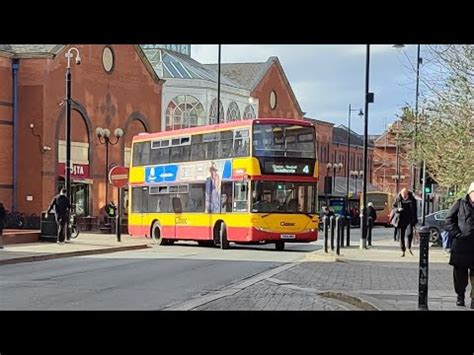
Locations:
{"points": [[435, 222]]}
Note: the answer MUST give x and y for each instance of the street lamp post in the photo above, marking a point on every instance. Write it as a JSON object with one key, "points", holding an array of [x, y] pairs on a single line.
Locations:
{"points": [[349, 152], [419, 61], [369, 98], [103, 134], [69, 55]]}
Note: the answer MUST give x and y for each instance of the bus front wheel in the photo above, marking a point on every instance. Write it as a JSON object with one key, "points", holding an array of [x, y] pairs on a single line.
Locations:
{"points": [[280, 245]]}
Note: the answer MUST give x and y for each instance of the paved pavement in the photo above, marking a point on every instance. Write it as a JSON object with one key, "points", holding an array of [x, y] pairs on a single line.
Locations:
{"points": [[185, 276], [85, 244]]}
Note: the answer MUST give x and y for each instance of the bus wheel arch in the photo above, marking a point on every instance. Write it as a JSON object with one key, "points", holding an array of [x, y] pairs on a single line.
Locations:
{"points": [[220, 235]]}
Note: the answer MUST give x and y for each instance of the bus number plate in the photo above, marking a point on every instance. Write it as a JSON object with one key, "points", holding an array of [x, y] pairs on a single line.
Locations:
{"points": [[287, 236]]}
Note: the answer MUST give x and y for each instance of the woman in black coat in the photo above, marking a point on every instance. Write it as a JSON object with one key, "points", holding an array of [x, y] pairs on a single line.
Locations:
{"points": [[405, 207], [460, 225]]}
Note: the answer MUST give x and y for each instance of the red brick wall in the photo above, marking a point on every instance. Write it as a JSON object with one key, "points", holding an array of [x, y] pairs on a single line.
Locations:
{"points": [[6, 132], [285, 106], [108, 101]]}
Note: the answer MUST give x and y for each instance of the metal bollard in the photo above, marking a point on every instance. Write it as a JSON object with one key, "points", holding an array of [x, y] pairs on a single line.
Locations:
{"points": [[424, 233], [325, 230], [338, 235], [332, 221], [348, 236], [370, 224], [342, 228]]}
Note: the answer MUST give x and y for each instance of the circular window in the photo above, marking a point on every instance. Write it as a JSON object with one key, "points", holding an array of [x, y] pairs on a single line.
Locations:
{"points": [[273, 100], [108, 59]]}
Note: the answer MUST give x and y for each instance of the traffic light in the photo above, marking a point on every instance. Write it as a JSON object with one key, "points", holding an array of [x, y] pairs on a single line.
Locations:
{"points": [[429, 184]]}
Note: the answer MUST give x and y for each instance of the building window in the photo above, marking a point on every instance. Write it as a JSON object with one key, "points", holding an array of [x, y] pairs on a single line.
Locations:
{"points": [[213, 112], [273, 100], [127, 156], [233, 112], [249, 113], [184, 111]]}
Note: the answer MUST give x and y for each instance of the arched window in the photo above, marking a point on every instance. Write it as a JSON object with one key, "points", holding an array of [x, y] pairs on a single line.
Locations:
{"points": [[184, 111], [233, 112], [249, 113], [213, 112]]}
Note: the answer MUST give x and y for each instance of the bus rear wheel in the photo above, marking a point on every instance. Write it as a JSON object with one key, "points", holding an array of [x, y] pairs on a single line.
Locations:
{"points": [[220, 236], [279, 245], [156, 235]]}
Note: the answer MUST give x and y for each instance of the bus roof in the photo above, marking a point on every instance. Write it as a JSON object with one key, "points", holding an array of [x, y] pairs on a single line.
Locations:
{"points": [[218, 127]]}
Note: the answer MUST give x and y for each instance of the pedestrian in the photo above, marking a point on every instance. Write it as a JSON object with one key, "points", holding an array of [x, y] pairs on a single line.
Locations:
{"points": [[405, 217], [460, 225], [3, 215], [371, 212], [61, 206]]}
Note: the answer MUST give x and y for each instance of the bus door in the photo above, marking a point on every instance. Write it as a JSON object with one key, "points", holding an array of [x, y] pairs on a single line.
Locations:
{"points": [[144, 210]]}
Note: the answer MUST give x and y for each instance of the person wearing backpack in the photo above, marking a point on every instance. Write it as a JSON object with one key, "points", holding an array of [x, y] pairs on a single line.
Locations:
{"points": [[62, 206]]}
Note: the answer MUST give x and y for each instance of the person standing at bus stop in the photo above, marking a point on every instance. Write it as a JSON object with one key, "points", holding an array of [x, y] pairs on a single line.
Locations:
{"points": [[62, 206], [460, 225], [405, 207]]}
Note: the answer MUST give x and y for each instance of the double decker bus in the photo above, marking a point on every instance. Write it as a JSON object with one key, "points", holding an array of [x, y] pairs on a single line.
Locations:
{"points": [[247, 182]]}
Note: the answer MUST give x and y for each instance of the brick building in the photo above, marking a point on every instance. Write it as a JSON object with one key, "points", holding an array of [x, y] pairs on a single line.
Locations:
{"points": [[385, 163], [135, 88], [113, 87]]}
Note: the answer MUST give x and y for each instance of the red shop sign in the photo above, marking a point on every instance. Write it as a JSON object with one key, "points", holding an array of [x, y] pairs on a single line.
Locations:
{"points": [[79, 171]]}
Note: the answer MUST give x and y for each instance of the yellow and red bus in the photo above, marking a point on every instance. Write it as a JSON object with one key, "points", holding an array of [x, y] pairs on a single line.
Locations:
{"points": [[251, 181], [383, 202]]}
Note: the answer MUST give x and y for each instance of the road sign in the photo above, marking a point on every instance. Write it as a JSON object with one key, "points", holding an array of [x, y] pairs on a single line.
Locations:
{"points": [[118, 176]]}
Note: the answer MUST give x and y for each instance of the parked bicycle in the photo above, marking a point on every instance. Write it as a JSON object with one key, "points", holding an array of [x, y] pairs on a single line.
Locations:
{"points": [[73, 226], [15, 220]]}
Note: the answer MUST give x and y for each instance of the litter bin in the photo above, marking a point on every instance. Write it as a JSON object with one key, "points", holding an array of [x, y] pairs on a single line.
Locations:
{"points": [[48, 225]]}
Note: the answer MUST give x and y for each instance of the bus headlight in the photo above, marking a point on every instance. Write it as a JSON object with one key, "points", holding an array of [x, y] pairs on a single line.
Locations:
{"points": [[262, 229]]}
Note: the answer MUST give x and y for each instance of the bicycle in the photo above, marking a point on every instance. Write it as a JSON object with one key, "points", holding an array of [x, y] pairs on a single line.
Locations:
{"points": [[73, 226], [15, 220]]}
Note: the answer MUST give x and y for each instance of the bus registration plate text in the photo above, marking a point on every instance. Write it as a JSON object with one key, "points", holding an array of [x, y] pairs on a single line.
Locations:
{"points": [[287, 236]]}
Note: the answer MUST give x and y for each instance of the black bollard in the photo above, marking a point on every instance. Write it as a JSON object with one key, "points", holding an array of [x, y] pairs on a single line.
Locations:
{"points": [[339, 239], [332, 221], [424, 233], [326, 231], [342, 227], [348, 236]]}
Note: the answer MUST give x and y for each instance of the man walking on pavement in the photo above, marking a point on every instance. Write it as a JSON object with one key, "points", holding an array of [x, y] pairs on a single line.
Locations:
{"points": [[62, 206], [405, 205], [460, 225]]}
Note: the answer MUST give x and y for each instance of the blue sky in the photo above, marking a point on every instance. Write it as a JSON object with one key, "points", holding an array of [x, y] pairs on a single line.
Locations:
{"points": [[327, 78]]}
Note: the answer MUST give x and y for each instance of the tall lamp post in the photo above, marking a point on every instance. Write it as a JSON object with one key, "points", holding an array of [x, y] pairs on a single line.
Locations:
{"points": [[103, 134], [69, 55], [349, 153], [369, 98], [419, 61]]}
